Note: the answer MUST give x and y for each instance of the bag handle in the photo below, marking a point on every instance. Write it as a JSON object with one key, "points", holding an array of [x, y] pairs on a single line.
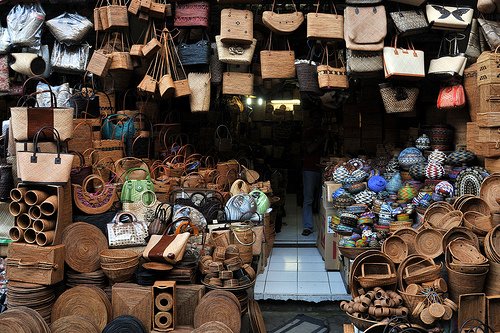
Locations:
{"points": [[218, 134], [153, 201], [80, 157], [92, 177], [293, 2], [34, 158], [332, 6], [131, 216], [39, 78], [129, 171]]}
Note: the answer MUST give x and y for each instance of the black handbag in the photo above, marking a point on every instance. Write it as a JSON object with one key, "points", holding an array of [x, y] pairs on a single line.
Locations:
{"points": [[197, 53]]}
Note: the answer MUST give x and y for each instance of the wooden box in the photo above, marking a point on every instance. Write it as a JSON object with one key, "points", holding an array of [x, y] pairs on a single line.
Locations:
{"points": [[471, 306], [488, 68], [488, 134], [489, 98], [487, 149], [164, 305], [493, 310], [134, 300], [35, 264], [488, 119], [187, 298], [472, 136], [492, 164]]}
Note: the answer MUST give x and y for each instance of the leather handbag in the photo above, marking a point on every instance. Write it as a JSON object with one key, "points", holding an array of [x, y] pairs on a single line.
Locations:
{"points": [[195, 54], [332, 77], [491, 31], [365, 28], [235, 54], [192, 14], [449, 17], [162, 217], [166, 248], [399, 62], [126, 231], [325, 26], [449, 66], [133, 189], [398, 99], [364, 63], [277, 64], [45, 168], [236, 26], [283, 23], [94, 202], [451, 97], [409, 22]]}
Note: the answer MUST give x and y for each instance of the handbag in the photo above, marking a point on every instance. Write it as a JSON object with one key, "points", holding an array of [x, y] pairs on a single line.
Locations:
{"points": [[332, 77], [133, 189], [81, 171], [126, 231], [144, 209], [364, 63], [398, 99], [162, 217], [240, 207], [448, 17], [46, 168], [199, 84], [399, 62], [216, 65], [94, 202], [69, 28], [181, 85], [451, 97], [277, 64], [223, 142], [365, 28], [235, 54], [450, 66], [409, 22], [236, 26], [26, 120], [473, 50], [283, 23], [118, 127], [325, 26], [195, 54], [166, 248], [491, 30], [307, 74], [69, 59], [235, 83], [239, 187], [192, 14]]}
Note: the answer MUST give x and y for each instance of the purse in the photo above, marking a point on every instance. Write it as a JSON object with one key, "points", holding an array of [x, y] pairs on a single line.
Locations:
{"points": [[491, 30], [223, 139], [364, 63], [192, 14], [166, 248], [451, 97], [365, 28], [126, 231], [239, 187], [45, 168], [325, 26], [332, 77], [235, 83], [399, 62], [133, 189], [118, 127], [69, 28], [398, 99], [448, 17], [162, 217], [235, 54], [80, 172], [284, 23], [277, 64], [450, 66], [199, 84], [144, 209], [410, 22], [236, 26], [195, 54], [94, 202], [307, 73]]}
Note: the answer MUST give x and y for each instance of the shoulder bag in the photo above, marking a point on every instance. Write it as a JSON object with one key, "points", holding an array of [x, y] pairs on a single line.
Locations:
{"points": [[118, 126], [181, 84], [94, 202], [166, 248], [236, 26], [144, 209], [195, 54], [364, 63], [398, 99], [325, 26], [192, 14], [307, 72], [162, 217], [236, 54], [365, 28], [236, 83], [239, 187], [449, 17], [133, 189], [277, 64], [409, 22], [126, 231], [399, 62], [199, 99], [285, 23], [332, 77], [450, 66], [46, 168], [451, 97]]}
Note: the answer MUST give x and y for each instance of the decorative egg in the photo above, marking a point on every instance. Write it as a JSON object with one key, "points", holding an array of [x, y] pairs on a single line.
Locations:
{"points": [[434, 171], [423, 142], [377, 183], [444, 188]]}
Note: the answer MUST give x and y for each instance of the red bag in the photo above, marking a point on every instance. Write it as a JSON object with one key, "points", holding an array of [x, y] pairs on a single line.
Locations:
{"points": [[192, 14], [451, 97]]}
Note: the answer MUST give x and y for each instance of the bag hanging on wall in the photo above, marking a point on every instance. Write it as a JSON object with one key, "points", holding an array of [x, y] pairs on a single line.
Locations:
{"points": [[277, 64], [451, 97], [69, 59], [364, 63], [120, 55], [94, 203], [409, 22], [192, 14], [449, 17], [365, 28], [125, 231], [235, 54], [236, 26], [166, 248], [235, 83], [332, 77], [399, 62], [491, 30], [473, 50], [284, 23], [199, 84], [307, 74], [216, 66], [181, 84], [46, 168], [69, 28], [195, 54], [325, 26], [450, 66], [223, 139], [133, 188], [117, 14], [398, 99]]}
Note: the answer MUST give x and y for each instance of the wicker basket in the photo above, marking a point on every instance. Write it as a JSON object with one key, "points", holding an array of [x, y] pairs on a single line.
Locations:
{"points": [[112, 256], [411, 301], [462, 283], [360, 323], [479, 223], [474, 204], [120, 274], [353, 252]]}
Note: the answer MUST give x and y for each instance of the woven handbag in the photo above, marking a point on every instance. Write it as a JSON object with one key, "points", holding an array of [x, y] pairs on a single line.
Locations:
{"points": [[94, 203], [449, 66], [180, 78], [364, 63], [223, 139], [325, 26], [398, 99], [399, 62], [216, 66], [283, 23], [235, 54], [277, 64], [144, 209], [365, 28], [236, 26], [332, 77], [126, 230], [452, 97], [410, 22], [192, 14], [69, 28], [199, 84], [449, 17], [117, 14], [235, 83], [307, 74], [195, 54]]}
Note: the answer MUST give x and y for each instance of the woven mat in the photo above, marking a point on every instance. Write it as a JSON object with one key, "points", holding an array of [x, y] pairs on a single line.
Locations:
{"points": [[303, 324]]}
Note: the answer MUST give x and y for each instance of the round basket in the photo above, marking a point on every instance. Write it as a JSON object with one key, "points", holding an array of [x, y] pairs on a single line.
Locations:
{"points": [[459, 200], [120, 274], [73, 323], [353, 252], [121, 264], [226, 312], [111, 256], [360, 323], [475, 204], [82, 244], [489, 190], [213, 327], [451, 219], [428, 243], [408, 235], [23, 319], [492, 287], [462, 283], [479, 223], [434, 215], [411, 301], [459, 232], [395, 248], [124, 323], [396, 225], [465, 252], [492, 244]]}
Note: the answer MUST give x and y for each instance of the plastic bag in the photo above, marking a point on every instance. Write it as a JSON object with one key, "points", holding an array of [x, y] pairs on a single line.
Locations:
{"points": [[24, 22], [63, 94], [4, 40], [69, 28], [69, 58]]}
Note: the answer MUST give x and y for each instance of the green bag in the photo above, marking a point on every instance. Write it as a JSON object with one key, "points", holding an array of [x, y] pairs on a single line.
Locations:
{"points": [[261, 200], [133, 188]]}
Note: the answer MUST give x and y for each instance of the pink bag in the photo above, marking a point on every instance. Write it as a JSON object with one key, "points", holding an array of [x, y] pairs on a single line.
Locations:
{"points": [[451, 97], [192, 14]]}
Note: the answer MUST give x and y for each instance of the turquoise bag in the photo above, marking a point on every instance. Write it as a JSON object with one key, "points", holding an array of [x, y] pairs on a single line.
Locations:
{"points": [[133, 188]]}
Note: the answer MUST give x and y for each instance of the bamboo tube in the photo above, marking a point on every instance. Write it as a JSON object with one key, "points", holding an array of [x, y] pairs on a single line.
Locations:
{"points": [[30, 236], [17, 194], [49, 206], [16, 234], [35, 197], [17, 208], [34, 212], [41, 225], [45, 238], [24, 221]]}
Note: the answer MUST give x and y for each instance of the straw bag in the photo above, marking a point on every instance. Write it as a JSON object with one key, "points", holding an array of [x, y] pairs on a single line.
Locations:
{"points": [[332, 77], [277, 64], [99, 63], [243, 237], [284, 23], [365, 28], [69, 28], [364, 63], [236, 26], [398, 99], [448, 17], [235, 83], [166, 248], [144, 209], [192, 14], [126, 231], [450, 66], [133, 189], [235, 54], [181, 84], [409, 22], [94, 203], [325, 26], [46, 168], [399, 62], [117, 14], [452, 97], [199, 84], [223, 141], [195, 54]]}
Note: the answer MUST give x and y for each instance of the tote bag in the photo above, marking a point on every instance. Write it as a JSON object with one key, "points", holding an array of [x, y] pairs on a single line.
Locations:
{"points": [[199, 84], [277, 64], [325, 26], [399, 62]]}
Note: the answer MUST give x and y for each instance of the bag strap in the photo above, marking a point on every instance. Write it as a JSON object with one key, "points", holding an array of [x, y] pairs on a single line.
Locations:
{"points": [[274, 3], [93, 177], [129, 171], [58, 144]]}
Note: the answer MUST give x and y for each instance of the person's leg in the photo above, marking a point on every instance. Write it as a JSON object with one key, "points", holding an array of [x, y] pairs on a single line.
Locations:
{"points": [[308, 190]]}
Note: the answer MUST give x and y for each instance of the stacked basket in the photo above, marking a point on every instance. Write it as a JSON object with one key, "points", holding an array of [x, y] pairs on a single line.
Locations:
{"points": [[492, 250], [119, 265]]}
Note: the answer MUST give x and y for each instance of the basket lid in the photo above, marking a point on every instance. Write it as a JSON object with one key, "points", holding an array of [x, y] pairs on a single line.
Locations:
{"points": [[429, 243]]}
